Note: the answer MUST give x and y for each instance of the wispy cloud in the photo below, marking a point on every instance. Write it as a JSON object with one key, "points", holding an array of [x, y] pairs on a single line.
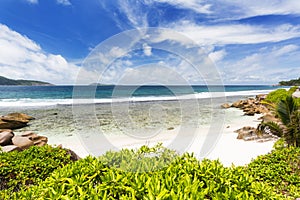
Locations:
{"points": [[217, 56], [197, 5], [33, 1], [245, 8], [268, 65], [236, 33], [64, 2]]}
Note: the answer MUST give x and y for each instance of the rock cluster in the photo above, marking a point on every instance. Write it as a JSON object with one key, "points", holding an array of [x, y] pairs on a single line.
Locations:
{"points": [[248, 133], [14, 121], [10, 142], [250, 106]]}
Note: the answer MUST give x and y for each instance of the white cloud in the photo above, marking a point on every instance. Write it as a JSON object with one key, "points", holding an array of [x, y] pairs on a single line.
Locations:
{"points": [[236, 33], [33, 1], [268, 65], [217, 56], [64, 2], [196, 5], [134, 14], [22, 58], [147, 49], [248, 8]]}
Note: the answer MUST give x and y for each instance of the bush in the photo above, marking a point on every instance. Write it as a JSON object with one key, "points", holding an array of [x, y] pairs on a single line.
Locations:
{"points": [[19, 170], [183, 178], [279, 169], [156, 173], [279, 94]]}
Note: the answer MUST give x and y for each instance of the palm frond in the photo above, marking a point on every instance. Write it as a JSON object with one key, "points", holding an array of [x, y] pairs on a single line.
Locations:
{"points": [[285, 109], [274, 128]]}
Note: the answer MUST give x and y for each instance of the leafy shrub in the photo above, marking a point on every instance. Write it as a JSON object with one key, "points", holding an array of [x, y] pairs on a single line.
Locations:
{"points": [[279, 94], [279, 169], [18, 170], [183, 178]]}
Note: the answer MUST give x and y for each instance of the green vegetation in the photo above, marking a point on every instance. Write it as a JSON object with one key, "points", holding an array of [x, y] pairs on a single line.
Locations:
{"points": [[6, 81], [279, 169], [290, 82], [18, 170], [156, 173], [277, 95], [286, 108]]}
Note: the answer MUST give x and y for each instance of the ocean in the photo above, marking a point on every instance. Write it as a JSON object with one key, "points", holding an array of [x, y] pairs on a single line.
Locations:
{"points": [[95, 119], [45, 96]]}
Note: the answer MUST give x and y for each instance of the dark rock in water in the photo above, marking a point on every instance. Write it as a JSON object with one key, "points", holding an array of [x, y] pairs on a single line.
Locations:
{"points": [[9, 148], [5, 137], [14, 121], [22, 142]]}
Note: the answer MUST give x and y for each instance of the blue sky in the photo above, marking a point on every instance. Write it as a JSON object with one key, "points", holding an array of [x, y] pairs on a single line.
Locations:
{"points": [[250, 42]]}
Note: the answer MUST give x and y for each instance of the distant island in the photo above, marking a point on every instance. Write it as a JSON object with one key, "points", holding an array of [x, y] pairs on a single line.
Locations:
{"points": [[293, 82], [7, 81]]}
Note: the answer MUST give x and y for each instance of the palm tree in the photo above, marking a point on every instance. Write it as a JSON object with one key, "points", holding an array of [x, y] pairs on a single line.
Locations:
{"points": [[288, 112]]}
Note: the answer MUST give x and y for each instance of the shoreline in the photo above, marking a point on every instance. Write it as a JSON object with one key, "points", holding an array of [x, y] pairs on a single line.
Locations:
{"points": [[228, 149], [58, 126]]}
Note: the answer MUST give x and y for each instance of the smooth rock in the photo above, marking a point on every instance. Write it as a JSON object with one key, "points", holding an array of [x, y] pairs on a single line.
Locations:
{"points": [[14, 121], [37, 139], [226, 105], [20, 116], [11, 124], [5, 138], [6, 130], [22, 142], [9, 148]]}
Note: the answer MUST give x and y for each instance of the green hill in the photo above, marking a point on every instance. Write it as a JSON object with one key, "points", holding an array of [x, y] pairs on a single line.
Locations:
{"points": [[293, 82], [7, 81]]}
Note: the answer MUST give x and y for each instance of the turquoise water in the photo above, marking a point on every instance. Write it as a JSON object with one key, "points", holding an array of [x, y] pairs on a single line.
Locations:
{"points": [[54, 95]]}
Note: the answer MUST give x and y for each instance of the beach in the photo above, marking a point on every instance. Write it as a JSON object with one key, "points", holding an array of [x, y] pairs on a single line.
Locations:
{"points": [[191, 130]]}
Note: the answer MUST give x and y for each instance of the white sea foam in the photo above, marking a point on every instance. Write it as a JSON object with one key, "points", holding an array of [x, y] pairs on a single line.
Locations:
{"points": [[27, 102]]}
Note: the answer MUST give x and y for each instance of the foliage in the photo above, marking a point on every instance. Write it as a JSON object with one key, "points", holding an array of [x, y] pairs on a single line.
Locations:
{"points": [[183, 178], [290, 82], [292, 133], [273, 126], [289, 114], [279, 94], [287, 109], [19, 170], [279, 169]]}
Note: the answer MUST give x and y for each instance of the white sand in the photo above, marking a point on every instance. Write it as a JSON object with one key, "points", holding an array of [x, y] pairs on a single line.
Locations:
{"points": [[225, 147]]}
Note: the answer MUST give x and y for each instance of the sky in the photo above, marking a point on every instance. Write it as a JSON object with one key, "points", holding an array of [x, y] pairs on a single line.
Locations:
{"points": [[248, 42]]}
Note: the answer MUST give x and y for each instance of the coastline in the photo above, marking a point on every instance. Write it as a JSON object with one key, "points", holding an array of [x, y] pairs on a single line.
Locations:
{"points": [[57, 124], [228, 149]]}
